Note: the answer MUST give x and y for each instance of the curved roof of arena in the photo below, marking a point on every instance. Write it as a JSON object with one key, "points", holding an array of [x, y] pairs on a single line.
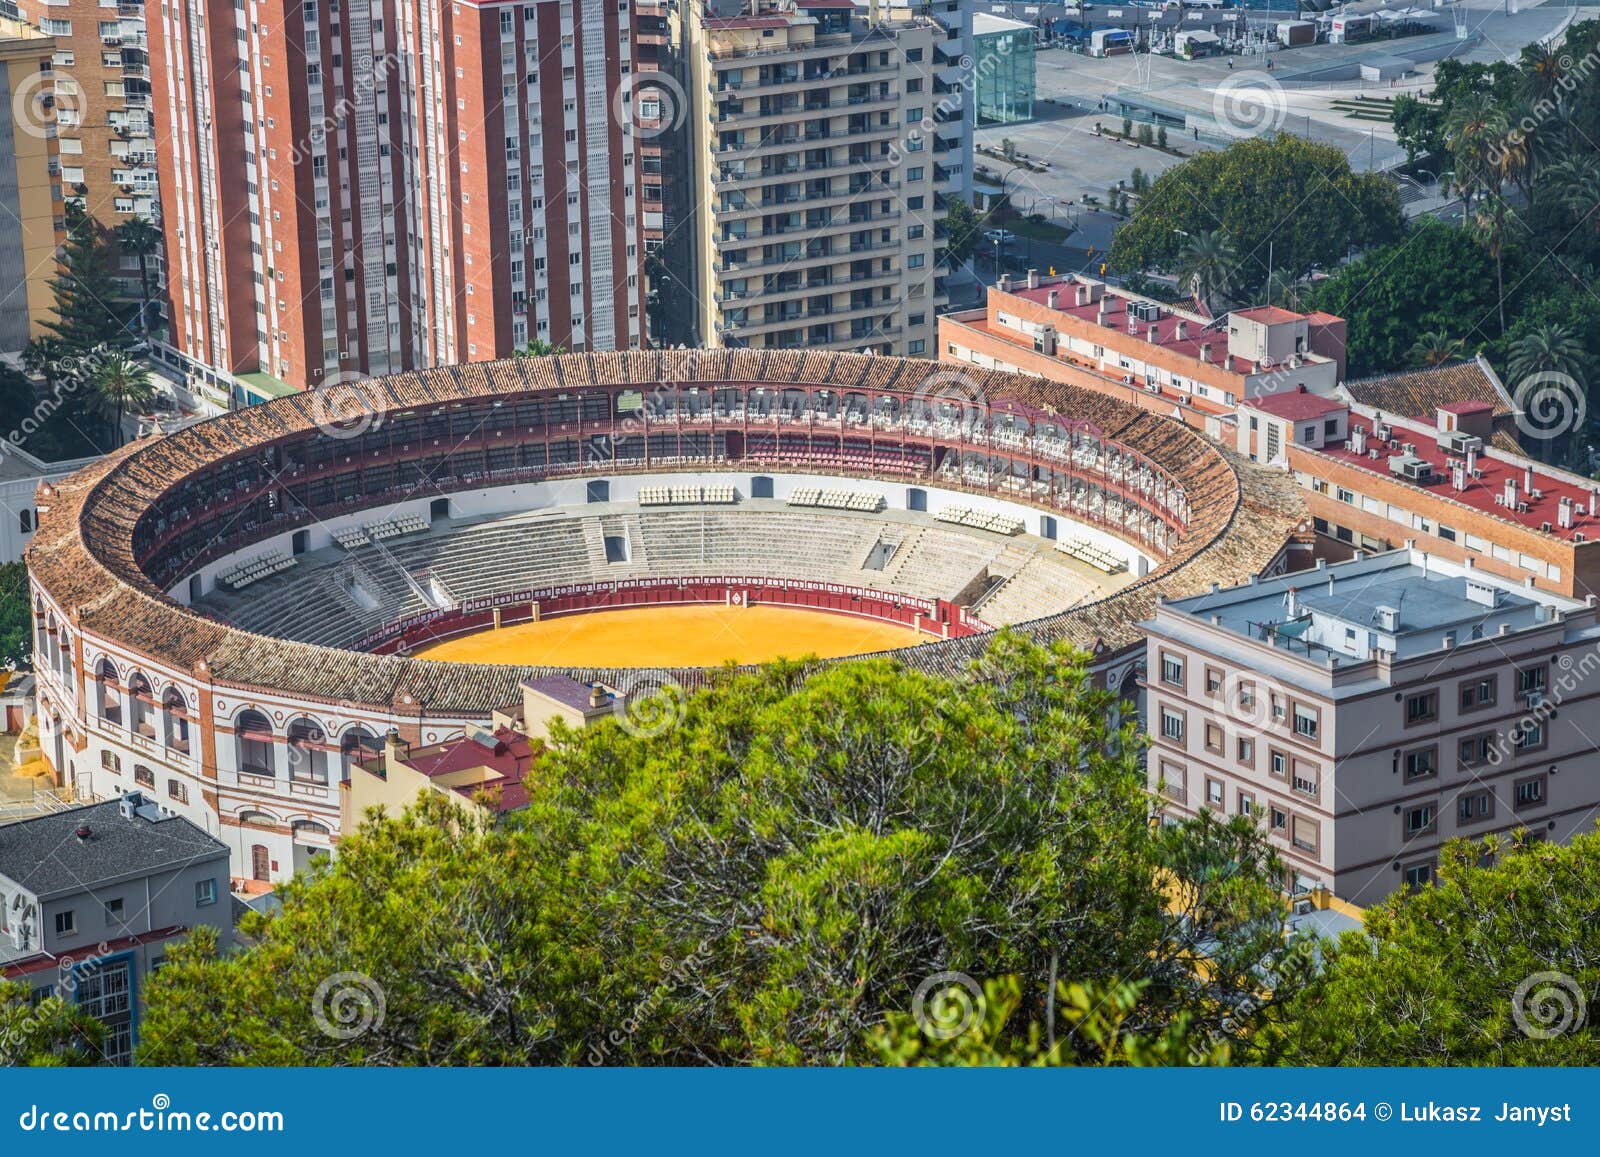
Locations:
{"points": [[1241, 517]]}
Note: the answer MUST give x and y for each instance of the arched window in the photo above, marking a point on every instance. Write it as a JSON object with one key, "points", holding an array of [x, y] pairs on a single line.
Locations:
{"points": [[255, 748], [26, 521], [141, 706], [358, 745], [176, 713], [108, 692], [308, 752]]}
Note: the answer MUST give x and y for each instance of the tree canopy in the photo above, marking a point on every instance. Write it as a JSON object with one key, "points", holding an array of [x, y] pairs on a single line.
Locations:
{"points": [[1293, 201], [1437, 281], [1490, 966], [767, 881]]}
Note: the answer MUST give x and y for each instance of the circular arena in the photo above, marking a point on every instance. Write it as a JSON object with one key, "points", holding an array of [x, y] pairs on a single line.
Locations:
{"points": [[228, 616]]}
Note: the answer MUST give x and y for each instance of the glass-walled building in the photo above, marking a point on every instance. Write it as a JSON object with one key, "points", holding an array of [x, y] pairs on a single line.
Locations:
{"points": [[1002, 65]]}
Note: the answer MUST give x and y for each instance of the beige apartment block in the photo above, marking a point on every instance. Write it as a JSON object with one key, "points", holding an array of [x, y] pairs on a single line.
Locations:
{"points": [[817, 176], [31, 221], [1366, 712]]}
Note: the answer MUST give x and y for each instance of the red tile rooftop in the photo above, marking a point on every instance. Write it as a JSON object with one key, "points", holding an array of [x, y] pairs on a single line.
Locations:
{"points": [[1297, 405], [977, 320], [1481, 494], [1269, 314], [1197, 331], [1468, 407], [511, 754]]}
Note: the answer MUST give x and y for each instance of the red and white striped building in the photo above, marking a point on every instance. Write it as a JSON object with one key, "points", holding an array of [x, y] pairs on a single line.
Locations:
{"points": [[370, 187]]}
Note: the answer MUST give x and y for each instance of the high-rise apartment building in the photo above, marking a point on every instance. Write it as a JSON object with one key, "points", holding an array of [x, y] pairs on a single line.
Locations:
{"points": [[364, 188], [100, 89], [819, 166], [30, 185]]}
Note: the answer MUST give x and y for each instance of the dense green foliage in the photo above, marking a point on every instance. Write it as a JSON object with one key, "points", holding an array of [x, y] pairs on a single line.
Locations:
{"points": [[1437, 281], [1516, 141], [767, 881], [1284, 199], [50, 1033], [1491, 966], [16, 618]]}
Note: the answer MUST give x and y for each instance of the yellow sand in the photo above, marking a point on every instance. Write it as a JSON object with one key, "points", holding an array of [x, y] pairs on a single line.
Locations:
{"points": [[676, 636]]}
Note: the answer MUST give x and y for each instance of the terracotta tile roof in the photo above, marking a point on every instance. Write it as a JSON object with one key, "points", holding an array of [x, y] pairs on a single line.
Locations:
{"points": [[82, 554], [1421, 393]]}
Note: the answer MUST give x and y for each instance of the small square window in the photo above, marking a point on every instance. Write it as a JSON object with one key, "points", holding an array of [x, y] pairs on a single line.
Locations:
{"points": [[205, 892]]}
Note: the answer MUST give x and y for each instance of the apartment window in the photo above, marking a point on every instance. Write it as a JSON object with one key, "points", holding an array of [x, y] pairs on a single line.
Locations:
{"points": [[1475, 749], [916, 345], [1306, 834], [913, 232], [1422, 763], [1173, 779], [1280, 819], [114, 911], [1529, 735], [1420, 820], [1419, 875], [143, 776], [1172, 670], [1305, 722], [1474, 807], [1213, 682], [1215, 740], [914, 173], [66, 923], [1530, 681], [1422, 707], [205, 892], [1476, 693], [1247, 752], [1529, 792], [1247, 804], [177, 790], [110, 761], [1278, 764], [1172, 725], [1214, 794], [914, 261], [1307, 778]]}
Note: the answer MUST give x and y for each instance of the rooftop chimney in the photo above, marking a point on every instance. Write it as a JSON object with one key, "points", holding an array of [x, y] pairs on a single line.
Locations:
{"points": [[1152, 334], [83, 832], [1511, 493], [1205, 351], [1181, 330], [1080, 295], [1053, 300], [1564, 513], [1033, 279], [1527, 479], [597, 695], [1004, 283], [1472, 460], [1100, 314]]}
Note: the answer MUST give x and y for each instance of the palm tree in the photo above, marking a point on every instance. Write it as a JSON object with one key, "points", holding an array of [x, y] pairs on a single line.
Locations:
{"points": [[1434, 348], [1548, 349], [120, 384], [136, 237], [1475, 133], [1576, 185], [1541, 71], [1207, 266], [1492, 224]]}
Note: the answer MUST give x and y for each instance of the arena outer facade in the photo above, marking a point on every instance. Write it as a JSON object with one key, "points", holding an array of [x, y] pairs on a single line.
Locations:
{"points": [[245, 734]]}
